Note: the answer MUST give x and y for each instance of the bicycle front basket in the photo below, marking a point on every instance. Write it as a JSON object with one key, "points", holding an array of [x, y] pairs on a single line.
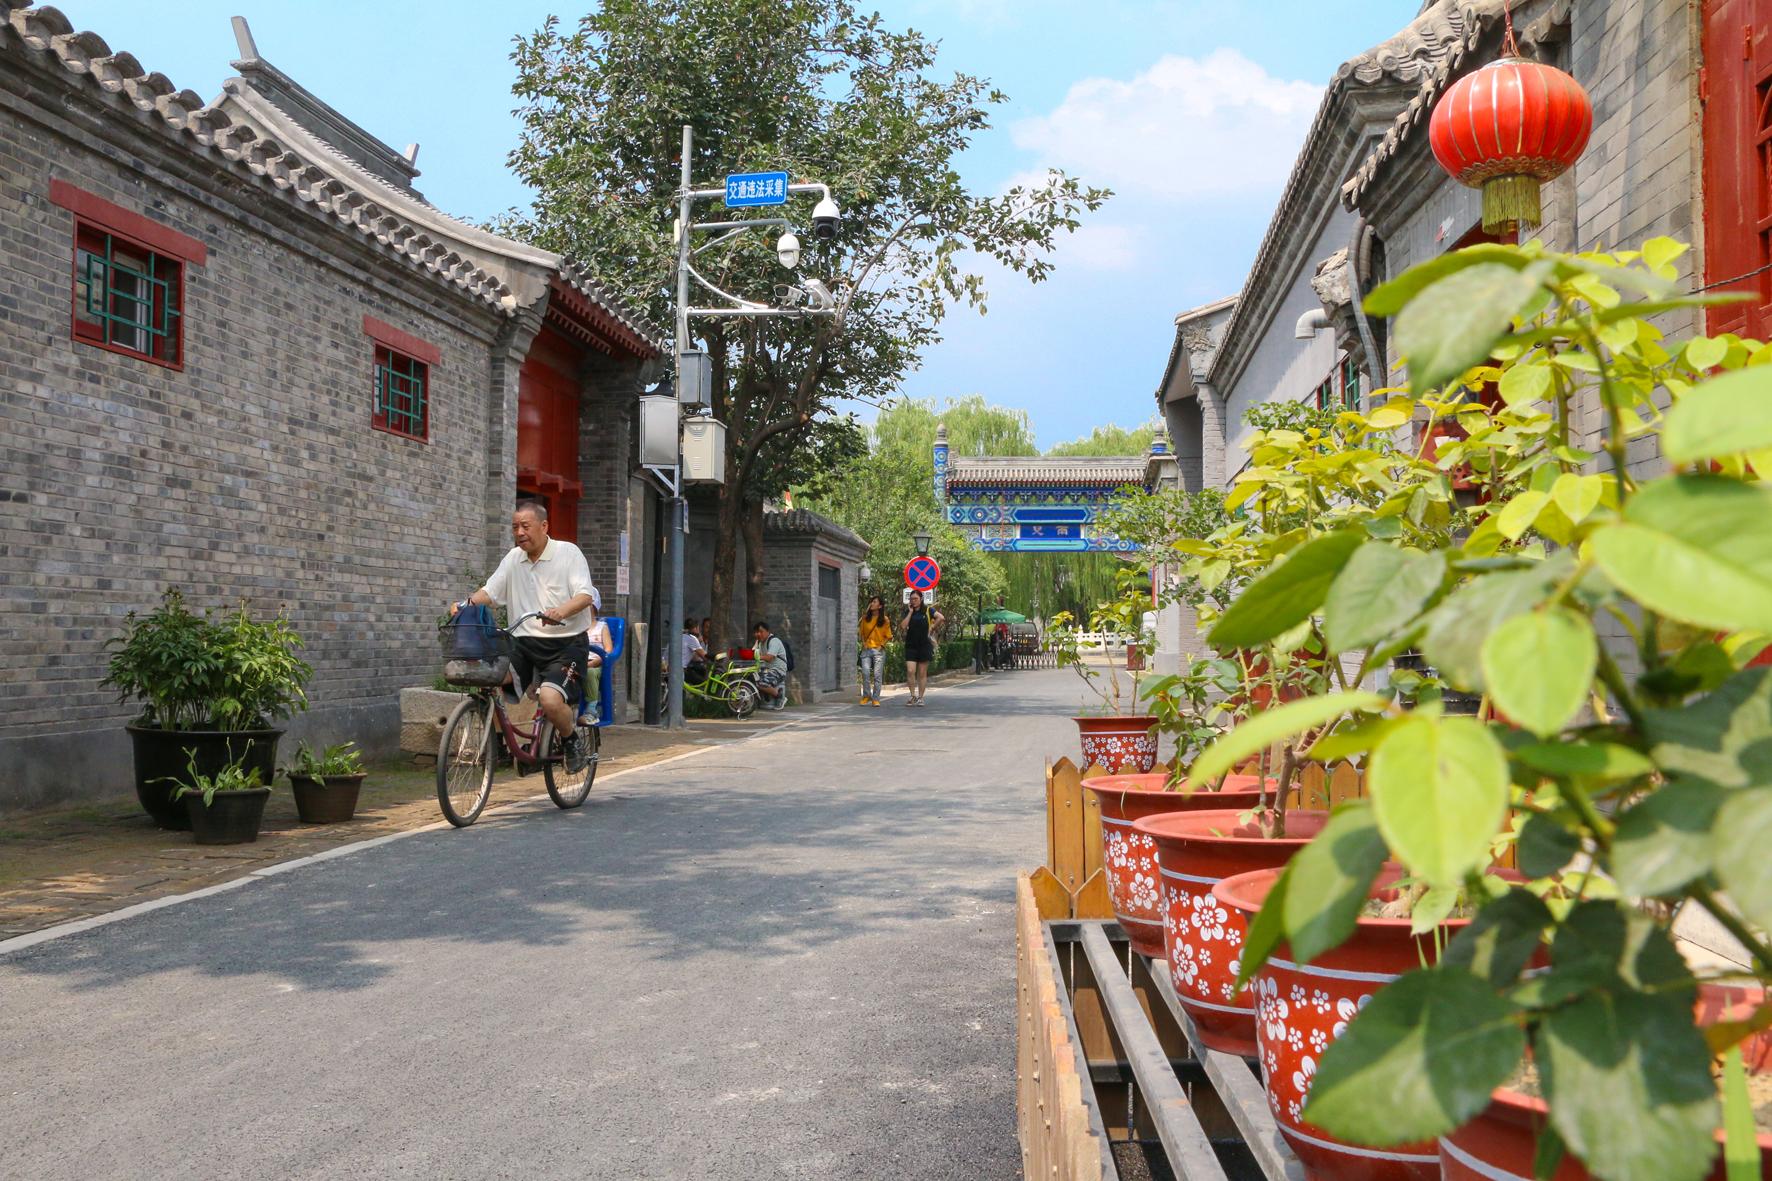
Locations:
{"points": [[474, 653]]}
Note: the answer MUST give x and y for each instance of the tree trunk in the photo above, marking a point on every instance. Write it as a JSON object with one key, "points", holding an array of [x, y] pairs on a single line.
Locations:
{"points": [[756, 601], [725, 565]]}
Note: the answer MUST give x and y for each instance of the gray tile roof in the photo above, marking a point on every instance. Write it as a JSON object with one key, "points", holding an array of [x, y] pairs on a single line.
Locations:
{"points": [[264, 145], [1046, 472]]}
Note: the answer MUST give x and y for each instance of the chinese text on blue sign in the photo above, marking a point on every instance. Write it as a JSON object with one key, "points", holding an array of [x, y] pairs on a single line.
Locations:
{"points": [[747, 189]]}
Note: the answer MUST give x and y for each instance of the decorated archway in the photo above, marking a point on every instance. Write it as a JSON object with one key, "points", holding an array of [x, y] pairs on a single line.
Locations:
{"points": [[1027, 504]]}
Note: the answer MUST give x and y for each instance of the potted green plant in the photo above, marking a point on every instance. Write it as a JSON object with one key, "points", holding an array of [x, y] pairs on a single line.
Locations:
{"points": [[225, 807], [1607, 613], [1116, 735], [210, 690], [326, 784]]}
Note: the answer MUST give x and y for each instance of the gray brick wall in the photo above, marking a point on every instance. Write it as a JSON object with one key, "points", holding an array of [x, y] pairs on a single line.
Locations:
{"points": [[251, 476]]}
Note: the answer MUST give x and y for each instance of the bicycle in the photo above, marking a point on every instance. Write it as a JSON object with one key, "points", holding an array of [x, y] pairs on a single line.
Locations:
{"points": [[729, 684], [466, 754]]}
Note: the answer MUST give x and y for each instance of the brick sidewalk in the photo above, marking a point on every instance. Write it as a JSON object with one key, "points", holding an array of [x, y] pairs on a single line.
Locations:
{"points": [[71, 863]]}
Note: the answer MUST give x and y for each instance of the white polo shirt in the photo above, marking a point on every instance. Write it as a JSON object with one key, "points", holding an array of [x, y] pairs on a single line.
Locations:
{"points": [[548, 582]]}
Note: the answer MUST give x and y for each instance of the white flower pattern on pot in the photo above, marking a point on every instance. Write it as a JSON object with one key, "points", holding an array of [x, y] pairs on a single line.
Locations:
{"points": [[1184, 970], [1319, 1040], [1303, 1077], [1344, 1012]]}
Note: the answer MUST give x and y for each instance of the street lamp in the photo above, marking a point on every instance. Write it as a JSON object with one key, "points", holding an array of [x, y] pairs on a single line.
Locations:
{"points": [[693, 370], [922, 539]]}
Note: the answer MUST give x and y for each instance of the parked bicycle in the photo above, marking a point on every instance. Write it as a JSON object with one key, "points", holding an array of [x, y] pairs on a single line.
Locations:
{"points": [[467, 754], [731, 683]]}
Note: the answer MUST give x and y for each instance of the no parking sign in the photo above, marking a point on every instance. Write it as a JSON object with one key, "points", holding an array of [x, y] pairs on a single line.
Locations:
{"points": [[922, 573]]}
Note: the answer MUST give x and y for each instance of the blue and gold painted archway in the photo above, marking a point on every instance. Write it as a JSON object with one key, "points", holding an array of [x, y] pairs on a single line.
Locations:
{"points": [[1017, 504]]}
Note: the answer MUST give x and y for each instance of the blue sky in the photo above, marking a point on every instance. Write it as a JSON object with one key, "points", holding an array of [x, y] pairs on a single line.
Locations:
{"points": [[1192, 111]]}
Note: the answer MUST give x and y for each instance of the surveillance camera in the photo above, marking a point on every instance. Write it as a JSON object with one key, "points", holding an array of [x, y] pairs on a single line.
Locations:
{"points": [[825, 216], [818, 296], [787, 251], [787, 296]]}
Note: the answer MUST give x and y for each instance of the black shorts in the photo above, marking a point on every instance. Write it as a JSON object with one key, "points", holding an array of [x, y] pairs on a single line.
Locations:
{"points": [[562, 663], [919, 653]]}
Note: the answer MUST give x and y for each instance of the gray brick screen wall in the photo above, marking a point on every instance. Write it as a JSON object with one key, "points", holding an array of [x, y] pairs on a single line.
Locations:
{"points": [[251, 475]]}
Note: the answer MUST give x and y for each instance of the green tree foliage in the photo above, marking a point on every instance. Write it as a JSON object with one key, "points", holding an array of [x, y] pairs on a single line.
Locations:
{"points": [[889, 494], [818, 89], [1109, 440]]}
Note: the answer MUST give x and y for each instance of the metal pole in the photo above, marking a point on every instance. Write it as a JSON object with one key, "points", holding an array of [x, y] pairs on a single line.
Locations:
{"points": [[679, 526]]}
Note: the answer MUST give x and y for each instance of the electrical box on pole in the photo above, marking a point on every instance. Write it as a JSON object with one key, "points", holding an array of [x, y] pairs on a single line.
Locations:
{"points": [[704, 451], [695, 382], [658, 431]]}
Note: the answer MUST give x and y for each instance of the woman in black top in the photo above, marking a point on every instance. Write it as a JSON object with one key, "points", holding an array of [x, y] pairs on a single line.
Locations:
{"points": [[919, 627]]}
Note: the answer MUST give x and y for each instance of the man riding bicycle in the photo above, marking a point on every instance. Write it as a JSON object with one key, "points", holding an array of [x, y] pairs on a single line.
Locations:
{"points": [[545, 575]]}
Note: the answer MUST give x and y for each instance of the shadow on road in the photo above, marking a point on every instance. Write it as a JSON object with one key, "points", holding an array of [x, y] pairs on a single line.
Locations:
{"points": [[847, 824]]}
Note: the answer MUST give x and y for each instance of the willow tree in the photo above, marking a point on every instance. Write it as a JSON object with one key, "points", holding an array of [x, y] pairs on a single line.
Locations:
{"points": [[825, 92]]}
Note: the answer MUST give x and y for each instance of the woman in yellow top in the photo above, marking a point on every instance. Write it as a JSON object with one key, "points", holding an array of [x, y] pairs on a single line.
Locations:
{"points": [[876, 632]]}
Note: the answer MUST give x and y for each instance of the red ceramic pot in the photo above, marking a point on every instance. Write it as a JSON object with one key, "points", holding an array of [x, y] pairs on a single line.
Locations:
{"points": [[1119, 745], [1499, 1144], [1203, 938], [1301, 1008], [1129, 858]]}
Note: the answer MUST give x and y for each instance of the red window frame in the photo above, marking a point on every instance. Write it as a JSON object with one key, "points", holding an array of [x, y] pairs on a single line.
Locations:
{"points": [[400, 357], [150, 252]]}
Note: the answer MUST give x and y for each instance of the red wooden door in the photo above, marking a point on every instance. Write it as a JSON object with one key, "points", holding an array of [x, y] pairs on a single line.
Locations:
{"points": [[547, 431], [1737, 94]]}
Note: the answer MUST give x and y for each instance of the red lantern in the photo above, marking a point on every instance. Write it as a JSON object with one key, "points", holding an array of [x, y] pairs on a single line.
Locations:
{"points": [[1508, 128]]}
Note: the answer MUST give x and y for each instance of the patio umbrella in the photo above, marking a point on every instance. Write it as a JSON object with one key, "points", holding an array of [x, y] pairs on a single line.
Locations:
{"points": [[1002, 615]]}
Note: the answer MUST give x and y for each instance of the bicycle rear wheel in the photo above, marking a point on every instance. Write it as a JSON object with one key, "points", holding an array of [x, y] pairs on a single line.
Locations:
{"points": [[742, 699], [568, 789], [465, 758]]}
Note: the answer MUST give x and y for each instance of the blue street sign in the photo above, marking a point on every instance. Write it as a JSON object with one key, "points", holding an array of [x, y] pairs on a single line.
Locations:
{"points": [[745, 190]]}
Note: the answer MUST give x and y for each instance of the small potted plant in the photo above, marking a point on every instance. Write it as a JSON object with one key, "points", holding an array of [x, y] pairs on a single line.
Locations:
{"points": [[326, 784], [226, 807], [209, 690], [1116, 735]]}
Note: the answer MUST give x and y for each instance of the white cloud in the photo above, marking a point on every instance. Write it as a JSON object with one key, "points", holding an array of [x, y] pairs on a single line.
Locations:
{"points": [[1185, 128]]}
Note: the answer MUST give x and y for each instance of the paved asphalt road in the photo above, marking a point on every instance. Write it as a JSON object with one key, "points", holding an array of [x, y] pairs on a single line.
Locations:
{"points": [[791, 957]]}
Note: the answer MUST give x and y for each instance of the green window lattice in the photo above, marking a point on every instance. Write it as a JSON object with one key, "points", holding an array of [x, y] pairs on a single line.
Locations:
{"points": [[127, 299], [401, 403]]}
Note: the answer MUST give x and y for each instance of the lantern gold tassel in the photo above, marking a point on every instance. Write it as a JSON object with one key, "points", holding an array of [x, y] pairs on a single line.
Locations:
{"points": [[1510, 201]]}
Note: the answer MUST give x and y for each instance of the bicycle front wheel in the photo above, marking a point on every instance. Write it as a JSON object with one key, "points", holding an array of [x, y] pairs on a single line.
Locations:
{"points": [[568, 788], [743, 699], [465, 759]]}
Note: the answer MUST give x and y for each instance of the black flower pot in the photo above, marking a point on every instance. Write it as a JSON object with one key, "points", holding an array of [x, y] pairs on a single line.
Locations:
{"points": [[230, 818], [162, 763], [332, 800]]}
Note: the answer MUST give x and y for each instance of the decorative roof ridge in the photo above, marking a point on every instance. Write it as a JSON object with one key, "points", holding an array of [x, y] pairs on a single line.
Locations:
{"points": [[1205, 309], [254, 69], [1419, 51], [120, 79], [419, 209], [1450, 31], [1185, 341], [802, 521]]}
